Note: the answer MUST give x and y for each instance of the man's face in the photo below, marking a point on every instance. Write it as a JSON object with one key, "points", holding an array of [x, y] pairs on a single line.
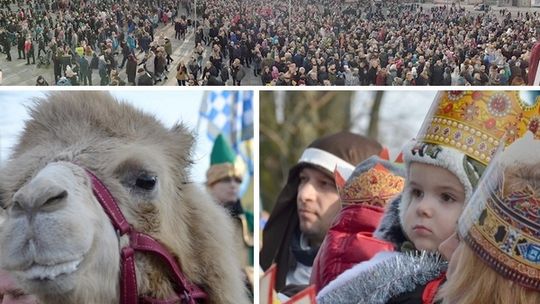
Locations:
{"points": [[318, 203], [225, 191], [292, 68]]}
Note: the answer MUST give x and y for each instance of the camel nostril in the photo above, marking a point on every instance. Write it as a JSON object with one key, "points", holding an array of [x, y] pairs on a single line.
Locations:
{"points": [[17, 206], [56, 198]]}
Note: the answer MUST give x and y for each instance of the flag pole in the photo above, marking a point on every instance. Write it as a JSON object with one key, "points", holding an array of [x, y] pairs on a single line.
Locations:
{"points": [[234, 130], [203, 104]]}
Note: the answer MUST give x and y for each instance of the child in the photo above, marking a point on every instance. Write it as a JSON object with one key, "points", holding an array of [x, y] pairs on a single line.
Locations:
{"points": [[498, 259], [363, 197], [306, 206], [456, 142]]}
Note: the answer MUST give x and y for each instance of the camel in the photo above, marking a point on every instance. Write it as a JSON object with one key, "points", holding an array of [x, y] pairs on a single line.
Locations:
{"points": [[58, 241]]}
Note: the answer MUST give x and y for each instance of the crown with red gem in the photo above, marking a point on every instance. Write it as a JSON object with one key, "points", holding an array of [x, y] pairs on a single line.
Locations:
{"points": [[474, 122], [464, 129], [374, 182]]}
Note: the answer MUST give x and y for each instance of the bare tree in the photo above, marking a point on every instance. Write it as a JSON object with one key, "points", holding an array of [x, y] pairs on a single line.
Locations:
{"points": [[373, 128], [307, 115]]}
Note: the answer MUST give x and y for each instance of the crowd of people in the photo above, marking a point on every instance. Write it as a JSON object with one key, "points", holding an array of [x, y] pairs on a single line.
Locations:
{"points": [[321, 43], [77, 38], [340, 43]]}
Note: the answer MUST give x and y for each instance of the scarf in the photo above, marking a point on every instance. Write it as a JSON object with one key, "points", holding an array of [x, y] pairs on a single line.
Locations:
{"points": [[304, 255]]}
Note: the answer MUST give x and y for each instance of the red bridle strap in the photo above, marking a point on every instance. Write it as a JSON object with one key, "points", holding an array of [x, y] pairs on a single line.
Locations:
{"points": [[138, 241]]}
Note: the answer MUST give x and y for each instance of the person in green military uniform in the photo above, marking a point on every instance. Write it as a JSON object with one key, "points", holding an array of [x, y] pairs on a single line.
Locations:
{"points": [[223, 180]]}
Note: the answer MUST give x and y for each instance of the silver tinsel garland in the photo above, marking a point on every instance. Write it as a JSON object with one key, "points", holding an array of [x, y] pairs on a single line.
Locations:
{"points": [[397, 275]]}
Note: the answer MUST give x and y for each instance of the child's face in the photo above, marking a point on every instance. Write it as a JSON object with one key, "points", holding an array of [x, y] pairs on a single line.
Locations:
{"points": [[437, 198]]}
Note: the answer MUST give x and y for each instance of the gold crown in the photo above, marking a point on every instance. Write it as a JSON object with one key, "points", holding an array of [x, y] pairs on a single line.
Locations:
{"points": [[220, 171], [502, 228], [474, 122], [373, 187]]}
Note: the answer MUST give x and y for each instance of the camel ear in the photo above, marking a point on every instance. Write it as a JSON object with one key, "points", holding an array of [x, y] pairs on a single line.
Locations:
{"points": [[185, 135], [182, 143]]}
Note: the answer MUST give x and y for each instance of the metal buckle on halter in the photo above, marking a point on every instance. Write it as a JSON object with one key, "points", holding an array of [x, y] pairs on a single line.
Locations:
{"points": [[186, 297]]}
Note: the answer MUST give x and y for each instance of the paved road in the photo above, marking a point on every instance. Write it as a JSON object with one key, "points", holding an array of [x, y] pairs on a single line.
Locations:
{"points": [[17, 73]]}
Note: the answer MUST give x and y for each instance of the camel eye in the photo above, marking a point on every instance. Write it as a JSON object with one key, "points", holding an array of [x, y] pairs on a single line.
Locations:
{"points": [[146, 181]]}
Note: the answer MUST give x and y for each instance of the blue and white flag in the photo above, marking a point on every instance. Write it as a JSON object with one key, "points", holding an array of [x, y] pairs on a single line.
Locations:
{"points": [[230, 113], [217, 109]]}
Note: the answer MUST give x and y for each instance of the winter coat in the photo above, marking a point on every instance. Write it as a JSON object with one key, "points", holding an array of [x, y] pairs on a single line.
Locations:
{"points": [[94, 63], [181, 72], [131, 70], [131, 43], [168, 47], [84, 65], [159, 65], [350, 239], [238, 73], [150, 64], [266, 78], [224, 74], [27, 46], [352, 229], [144, 79]]}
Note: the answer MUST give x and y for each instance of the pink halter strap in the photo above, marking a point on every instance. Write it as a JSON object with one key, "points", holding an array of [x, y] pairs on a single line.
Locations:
{"points": [[187, 292]]}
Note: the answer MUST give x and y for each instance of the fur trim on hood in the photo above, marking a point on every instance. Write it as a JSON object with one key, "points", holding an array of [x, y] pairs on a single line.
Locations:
{"points": [[390, 227], [392, 274]]}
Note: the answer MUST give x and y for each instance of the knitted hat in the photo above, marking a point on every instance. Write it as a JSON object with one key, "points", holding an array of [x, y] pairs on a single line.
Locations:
{"points": [[223, 162], [501, 223], [463, 131]]}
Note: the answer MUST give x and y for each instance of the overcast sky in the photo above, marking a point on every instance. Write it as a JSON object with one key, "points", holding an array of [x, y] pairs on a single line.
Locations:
{"points": [[401, 115], [168, 106]]}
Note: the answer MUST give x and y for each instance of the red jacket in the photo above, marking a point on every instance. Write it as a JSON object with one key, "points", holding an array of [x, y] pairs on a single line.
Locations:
{"points": [[534, 62], [348, 242], [27, 46]]}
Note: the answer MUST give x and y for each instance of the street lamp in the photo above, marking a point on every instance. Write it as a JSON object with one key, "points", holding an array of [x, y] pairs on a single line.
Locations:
{"points": [[290, 17]]}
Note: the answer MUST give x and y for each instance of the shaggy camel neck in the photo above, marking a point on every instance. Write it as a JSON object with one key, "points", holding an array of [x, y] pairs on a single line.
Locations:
{"points": [[188, 292]]}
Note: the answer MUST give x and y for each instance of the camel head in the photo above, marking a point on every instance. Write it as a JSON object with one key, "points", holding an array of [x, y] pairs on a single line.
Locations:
{"points": [[56, 239]]}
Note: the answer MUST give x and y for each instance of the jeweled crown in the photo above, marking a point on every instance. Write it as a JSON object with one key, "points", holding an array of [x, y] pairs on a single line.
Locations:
{"points": [[373, 187], [475, 122], [501, 222]]}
